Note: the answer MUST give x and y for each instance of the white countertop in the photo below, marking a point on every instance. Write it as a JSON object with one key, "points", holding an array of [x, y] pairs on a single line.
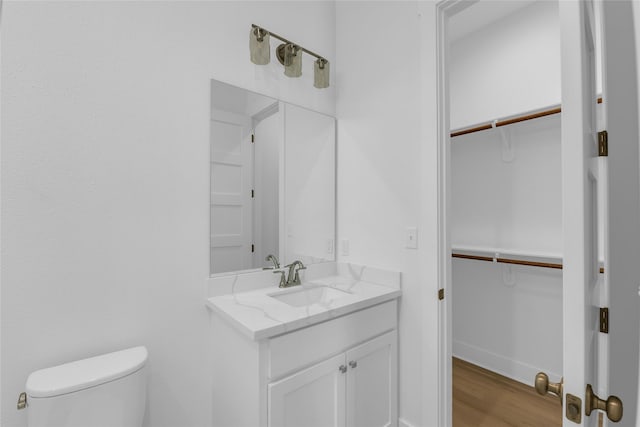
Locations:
{"points": [[258, 316]]}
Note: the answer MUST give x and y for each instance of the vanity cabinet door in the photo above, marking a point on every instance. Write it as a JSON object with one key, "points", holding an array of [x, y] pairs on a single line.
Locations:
{"points": [[313, 397], [372, 383]]}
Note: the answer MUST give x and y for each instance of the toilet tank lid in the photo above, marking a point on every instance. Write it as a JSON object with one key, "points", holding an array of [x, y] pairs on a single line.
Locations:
{"points": [[85, 373]]}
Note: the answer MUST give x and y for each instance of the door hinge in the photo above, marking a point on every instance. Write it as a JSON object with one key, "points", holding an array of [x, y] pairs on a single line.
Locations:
{"points": [[253, 194], [441, 294], [253, 248], [604, 320], [603, 143], [253, 137]]}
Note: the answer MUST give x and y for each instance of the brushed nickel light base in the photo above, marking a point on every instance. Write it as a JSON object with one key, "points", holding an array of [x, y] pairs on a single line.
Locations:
{"points": [[280, 53]]}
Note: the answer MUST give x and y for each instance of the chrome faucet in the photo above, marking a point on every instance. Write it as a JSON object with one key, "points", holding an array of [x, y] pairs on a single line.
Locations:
{"points": [[294, 278], [272, 258]]}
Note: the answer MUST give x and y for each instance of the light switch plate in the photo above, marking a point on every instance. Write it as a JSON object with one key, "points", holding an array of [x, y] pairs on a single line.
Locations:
{"points": [[412, 238]]}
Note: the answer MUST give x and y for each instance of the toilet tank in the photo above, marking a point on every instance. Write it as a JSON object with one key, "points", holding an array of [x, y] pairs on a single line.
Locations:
{"points": [[103, 391]]}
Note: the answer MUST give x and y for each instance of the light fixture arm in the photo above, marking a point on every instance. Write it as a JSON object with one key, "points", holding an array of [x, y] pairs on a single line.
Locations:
{"points": [[282, 39]]}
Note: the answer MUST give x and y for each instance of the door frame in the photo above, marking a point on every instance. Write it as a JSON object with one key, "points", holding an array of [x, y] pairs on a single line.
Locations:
{"points": [[445, 9]]}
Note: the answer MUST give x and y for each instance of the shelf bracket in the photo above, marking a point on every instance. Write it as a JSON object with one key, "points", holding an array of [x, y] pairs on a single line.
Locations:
{"points": [[508, 153]]}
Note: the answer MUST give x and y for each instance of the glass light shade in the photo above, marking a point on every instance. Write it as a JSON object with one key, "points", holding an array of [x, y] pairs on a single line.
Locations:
{"points": [[292, 61], [321, 73], [259, 46]]}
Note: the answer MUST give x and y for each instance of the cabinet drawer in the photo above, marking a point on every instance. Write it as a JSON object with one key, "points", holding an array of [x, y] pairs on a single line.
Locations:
{"points": [[290, 352]]}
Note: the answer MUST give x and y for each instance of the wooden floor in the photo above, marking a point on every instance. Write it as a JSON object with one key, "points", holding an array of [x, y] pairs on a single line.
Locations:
{"points": [[482, 398]]}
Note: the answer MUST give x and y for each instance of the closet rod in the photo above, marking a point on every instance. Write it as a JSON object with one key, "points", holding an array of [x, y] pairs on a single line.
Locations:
{"points": [[512, 261], [511, 121]]}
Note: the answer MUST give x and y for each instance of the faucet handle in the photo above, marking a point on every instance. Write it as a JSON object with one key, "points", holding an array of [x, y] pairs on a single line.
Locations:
{"points": [[283, 280], [296, 278]]}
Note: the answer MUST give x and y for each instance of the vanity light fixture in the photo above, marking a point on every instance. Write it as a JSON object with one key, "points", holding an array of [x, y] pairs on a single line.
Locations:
{"points": [[321, 73], [259, 46], [289, 54]]}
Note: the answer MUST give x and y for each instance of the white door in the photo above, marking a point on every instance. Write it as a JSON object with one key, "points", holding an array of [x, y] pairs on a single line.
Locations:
{"points": [[584, 177], [231, 185], [268, 150], [371, 382], [314, 397]]}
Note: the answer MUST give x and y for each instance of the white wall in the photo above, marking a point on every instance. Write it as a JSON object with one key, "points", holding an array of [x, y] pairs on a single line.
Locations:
{"points": [[512, 326], [495, 66], [105, 179], [309, 185], [387, 172], [513, 204]]}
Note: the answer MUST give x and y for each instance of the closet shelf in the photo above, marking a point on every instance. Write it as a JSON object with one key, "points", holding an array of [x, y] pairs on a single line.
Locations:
{"points": [[536, 114], [511, 256]]}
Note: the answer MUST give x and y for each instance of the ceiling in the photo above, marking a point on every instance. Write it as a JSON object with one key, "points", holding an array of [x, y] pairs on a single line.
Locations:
{"points": [[481, 14]]}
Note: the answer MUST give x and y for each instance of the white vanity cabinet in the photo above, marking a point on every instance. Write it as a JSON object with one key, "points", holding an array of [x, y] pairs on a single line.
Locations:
{"points": [[340, 372], [356, 388]]}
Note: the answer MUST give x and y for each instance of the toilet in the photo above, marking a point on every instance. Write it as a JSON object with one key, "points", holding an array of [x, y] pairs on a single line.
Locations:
{"points": [[102, 391]]}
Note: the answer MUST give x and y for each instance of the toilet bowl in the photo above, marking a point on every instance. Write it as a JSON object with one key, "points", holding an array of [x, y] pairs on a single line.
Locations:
{"points": [[103, 391]]}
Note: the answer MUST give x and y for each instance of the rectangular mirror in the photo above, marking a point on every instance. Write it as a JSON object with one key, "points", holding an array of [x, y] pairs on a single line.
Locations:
{"points": [[272, 182]]}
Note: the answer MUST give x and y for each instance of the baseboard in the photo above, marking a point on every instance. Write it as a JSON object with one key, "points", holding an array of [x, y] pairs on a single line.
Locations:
{"points": [[514, 369], [404, 423]]}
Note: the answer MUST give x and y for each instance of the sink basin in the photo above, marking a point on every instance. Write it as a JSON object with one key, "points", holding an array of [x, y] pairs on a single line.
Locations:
{"points": [[309, 295]]}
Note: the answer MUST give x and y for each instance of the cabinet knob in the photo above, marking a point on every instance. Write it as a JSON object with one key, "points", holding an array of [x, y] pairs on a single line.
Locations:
{"points": [[353, 364], [343, 368]]}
